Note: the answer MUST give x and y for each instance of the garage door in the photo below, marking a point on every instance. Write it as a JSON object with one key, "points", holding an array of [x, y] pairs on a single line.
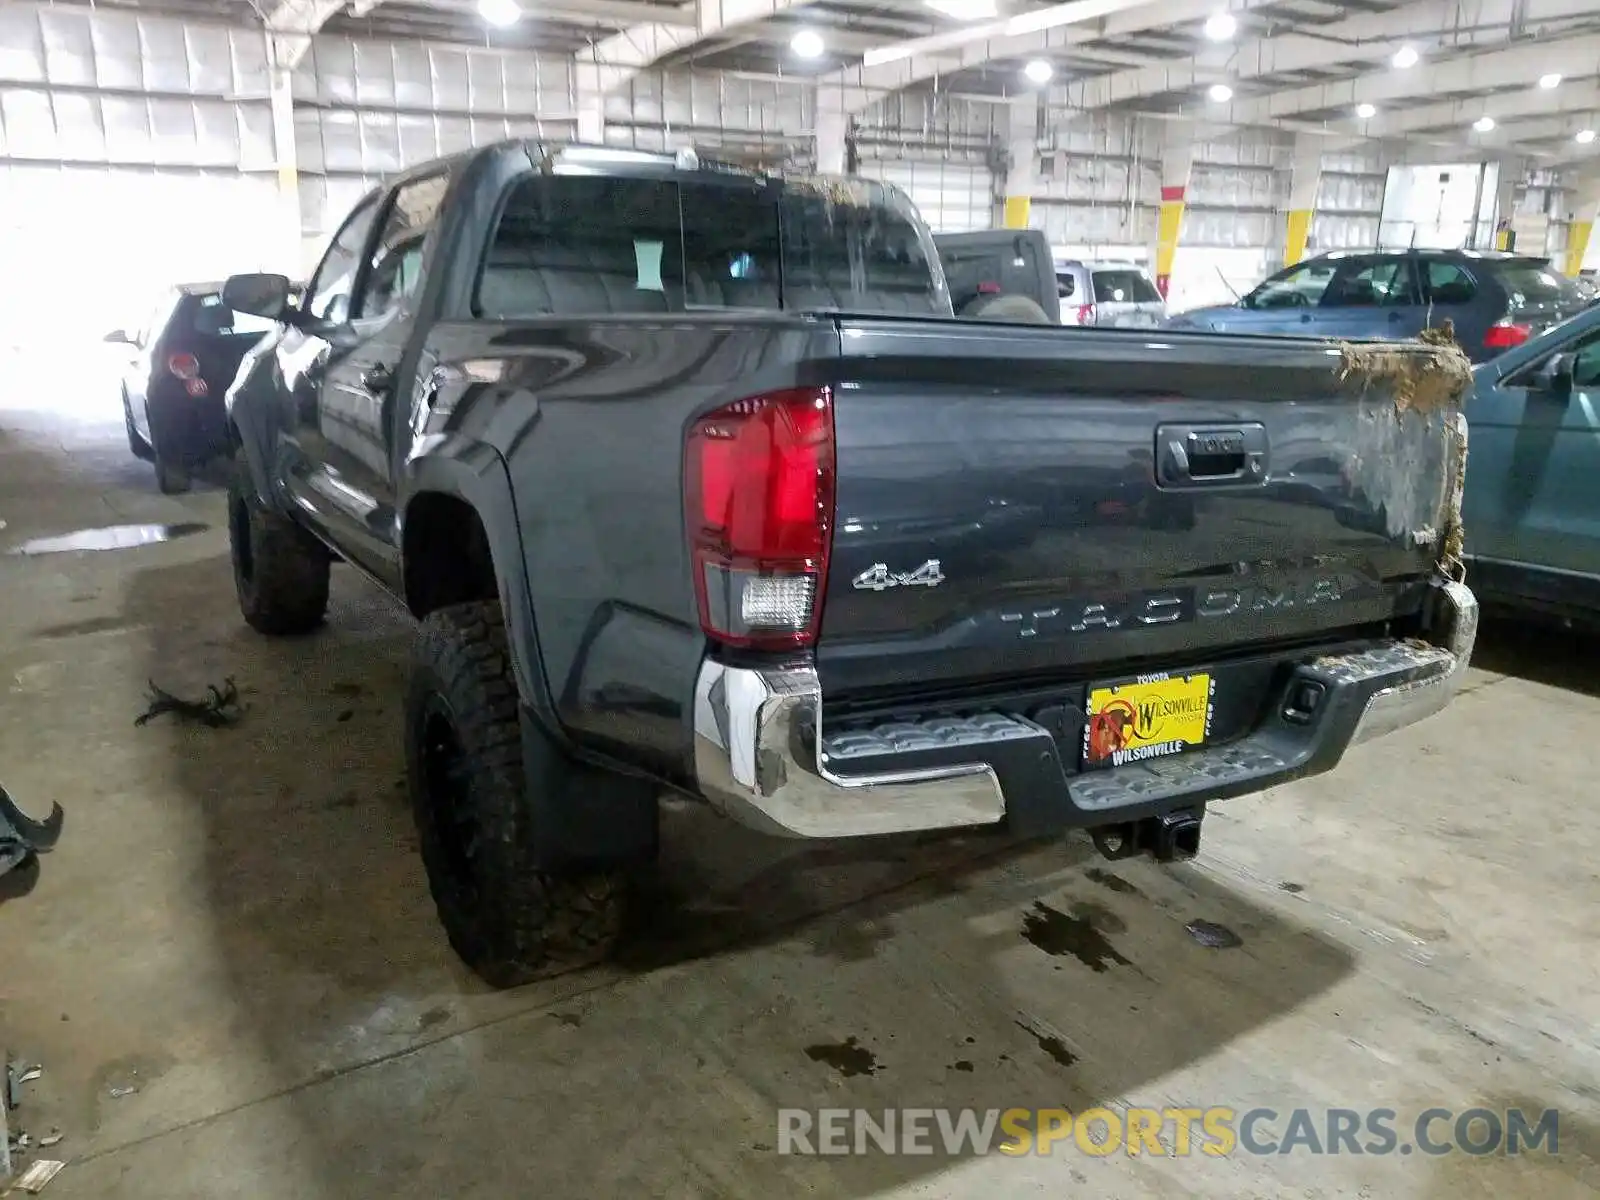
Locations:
{"points": [[85, 248], [952, 197]]}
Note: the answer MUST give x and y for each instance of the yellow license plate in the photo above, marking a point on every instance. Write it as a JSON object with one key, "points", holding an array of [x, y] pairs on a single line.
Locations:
{"points": [[1148, 717]]}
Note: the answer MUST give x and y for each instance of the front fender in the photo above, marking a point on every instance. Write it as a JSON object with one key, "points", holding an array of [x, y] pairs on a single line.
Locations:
{"points": [[474, 473]]}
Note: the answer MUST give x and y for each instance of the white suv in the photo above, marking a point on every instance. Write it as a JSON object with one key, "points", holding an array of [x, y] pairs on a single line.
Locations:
{"points": [[1118, 294]]}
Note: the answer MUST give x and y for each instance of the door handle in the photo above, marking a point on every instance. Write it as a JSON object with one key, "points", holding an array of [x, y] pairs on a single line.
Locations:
{"points": [[1395, 315], [378, 379], [1305, 318]]}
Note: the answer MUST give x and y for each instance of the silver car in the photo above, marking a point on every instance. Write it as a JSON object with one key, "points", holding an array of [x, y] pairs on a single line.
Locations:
{"points": [[1108, 293]]}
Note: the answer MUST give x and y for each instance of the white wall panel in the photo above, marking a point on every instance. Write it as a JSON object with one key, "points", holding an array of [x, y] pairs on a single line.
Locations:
{"points": [[953, 197]]}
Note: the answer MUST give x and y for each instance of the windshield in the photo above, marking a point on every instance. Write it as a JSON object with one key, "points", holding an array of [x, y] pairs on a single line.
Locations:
{"points": [[1124, 287]]}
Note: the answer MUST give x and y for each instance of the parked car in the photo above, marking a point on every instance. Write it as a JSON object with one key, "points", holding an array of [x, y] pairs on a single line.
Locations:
{"points": [[184, 358], [1532, 504], [694, 482], [1119, 295], [991, 271], [1495, 300]]}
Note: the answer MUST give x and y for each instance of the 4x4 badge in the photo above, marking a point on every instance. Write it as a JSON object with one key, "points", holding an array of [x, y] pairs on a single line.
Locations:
{"points": [[878, 577]]}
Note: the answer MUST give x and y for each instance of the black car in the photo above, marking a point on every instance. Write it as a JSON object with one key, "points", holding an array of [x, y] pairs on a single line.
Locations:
{"points": [[185, 358]]}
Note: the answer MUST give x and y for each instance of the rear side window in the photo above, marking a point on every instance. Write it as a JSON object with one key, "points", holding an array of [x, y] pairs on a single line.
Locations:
{"points": [[1372, 283], [1450, 284], [210, 317], [584, 244], [1124, 287], [856, 257], [1065, 286], [1528, 280]]}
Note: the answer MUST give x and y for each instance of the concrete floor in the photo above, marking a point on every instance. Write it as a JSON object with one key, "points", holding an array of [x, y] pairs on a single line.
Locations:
{"points": [[237, 925]]}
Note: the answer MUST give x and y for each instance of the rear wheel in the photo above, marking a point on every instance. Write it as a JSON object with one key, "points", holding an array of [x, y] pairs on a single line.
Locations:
{"points": [[508, 919], [1020, 309], [280, 571], [136, 442]]}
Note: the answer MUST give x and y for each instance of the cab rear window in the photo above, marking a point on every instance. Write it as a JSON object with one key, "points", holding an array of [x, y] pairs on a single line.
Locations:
{"points": [[210, 317]]}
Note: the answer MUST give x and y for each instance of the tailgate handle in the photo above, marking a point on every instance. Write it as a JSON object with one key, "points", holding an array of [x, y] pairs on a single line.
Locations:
{"points": [[1189, 456]]}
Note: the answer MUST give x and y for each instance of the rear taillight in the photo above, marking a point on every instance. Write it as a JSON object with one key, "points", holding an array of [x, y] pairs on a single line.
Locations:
{"points": [[758, 502], [1503, 335], [1085, 314], [187, 368]]}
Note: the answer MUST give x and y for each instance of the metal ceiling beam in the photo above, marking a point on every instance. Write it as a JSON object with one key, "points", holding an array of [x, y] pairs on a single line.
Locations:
{"points": [[290, 24], [1574, 100], [1369, 38], [913, 62], [1520, 65], [613, 61]]}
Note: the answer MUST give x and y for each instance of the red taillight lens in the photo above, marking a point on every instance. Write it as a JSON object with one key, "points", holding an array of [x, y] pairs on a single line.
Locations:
{"points": [[1085, 314], [758, 501], [184, 366], [1503, 335]]}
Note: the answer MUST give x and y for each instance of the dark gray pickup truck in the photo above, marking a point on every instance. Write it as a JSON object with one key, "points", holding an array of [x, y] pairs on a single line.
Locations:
{"points": [[695, 482]]}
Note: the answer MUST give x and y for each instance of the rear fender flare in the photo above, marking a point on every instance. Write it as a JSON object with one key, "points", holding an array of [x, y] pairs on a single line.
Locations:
{"points": [[474, 473]]}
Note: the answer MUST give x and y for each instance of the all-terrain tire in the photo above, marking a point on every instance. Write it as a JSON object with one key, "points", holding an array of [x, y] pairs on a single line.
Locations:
{"points": [[510, 921], [279, 570]]}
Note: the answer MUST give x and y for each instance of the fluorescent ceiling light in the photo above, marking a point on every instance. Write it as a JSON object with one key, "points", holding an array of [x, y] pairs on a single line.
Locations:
{"points": [[1552, 80], [1366, 111], [807, 44], [1585, 136], [1220, 93], [500, 12], [1221, 26], [1483, 124], [1405, 57], [966, 10], [1039, 71]]}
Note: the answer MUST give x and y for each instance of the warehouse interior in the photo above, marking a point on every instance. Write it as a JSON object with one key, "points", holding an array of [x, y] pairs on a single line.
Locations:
{"points": [[229, 970]]}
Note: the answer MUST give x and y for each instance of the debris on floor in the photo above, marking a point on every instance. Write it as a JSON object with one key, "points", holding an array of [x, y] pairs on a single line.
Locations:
{"points": [[21, 836], [1213, 936], [41, 1173], [117, 1093], [219, 709]]}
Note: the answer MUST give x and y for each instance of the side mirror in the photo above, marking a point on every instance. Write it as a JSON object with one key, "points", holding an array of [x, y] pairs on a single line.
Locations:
{"points": [[259, 294], [118, 337], [1554, 376]]}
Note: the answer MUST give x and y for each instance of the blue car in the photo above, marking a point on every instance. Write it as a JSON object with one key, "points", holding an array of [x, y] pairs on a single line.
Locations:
{"points": [[1496, 300], [1532, 503]]}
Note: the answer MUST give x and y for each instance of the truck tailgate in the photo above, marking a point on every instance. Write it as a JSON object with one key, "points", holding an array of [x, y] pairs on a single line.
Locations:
{"points": [[1016, 503]]}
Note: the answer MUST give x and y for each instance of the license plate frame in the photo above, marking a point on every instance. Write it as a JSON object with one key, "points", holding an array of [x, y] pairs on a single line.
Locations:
{"points": [[1146, 717]]}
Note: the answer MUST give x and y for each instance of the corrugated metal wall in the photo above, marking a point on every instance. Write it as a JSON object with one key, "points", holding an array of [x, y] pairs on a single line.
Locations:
{"points": [[939, 151], [131, 140]]}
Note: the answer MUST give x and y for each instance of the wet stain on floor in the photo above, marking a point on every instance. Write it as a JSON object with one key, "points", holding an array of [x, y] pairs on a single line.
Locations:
{"points": [[109, 537], [78, 628], [1294, 889], [1053, 1046], [1213, 936], [1115, 883], [434, 1016], [1057, 933], [848, 1057], [961, 1064]]}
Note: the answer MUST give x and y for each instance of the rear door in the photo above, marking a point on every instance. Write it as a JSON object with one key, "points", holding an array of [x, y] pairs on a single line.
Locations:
{"points": [[1371, 296], [1452, 293], [1125, 299], [1533, 490], [367, 378]]}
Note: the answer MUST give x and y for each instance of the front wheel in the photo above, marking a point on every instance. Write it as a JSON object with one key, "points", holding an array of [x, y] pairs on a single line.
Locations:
{"points": [[280, 571], [508, 919]]}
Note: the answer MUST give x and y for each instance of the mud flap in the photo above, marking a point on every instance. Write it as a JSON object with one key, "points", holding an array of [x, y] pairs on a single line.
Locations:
{"points": [[21, 836]]}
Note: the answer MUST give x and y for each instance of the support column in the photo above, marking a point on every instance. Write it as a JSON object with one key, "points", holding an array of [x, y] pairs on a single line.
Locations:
{"points": [[292, 252], [1579, 226], [1305, 176], [833, 126], [1505, 204], [591, 103], [1022, 161], [1177, 155]]}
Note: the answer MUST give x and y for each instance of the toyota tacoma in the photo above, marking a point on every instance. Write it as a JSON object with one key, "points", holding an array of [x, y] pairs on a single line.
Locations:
{"points": [[694, 482]]}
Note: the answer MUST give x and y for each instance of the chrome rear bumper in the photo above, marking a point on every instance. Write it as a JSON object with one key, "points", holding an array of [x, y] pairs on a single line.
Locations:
{"points": [[762, 757]]}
